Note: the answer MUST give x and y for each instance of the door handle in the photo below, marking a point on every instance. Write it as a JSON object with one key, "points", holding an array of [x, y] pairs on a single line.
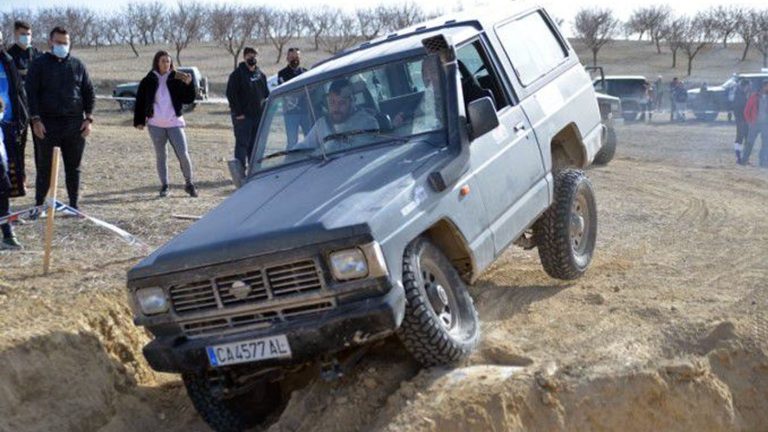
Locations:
{"points": [[519, 127]]}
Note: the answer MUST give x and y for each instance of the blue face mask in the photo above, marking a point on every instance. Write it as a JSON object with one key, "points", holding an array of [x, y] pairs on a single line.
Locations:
{"points": [[25, 40], [60, 51]]}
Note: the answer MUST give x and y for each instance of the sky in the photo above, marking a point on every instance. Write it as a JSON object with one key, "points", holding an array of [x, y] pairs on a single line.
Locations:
{"points": [[559, 8]]}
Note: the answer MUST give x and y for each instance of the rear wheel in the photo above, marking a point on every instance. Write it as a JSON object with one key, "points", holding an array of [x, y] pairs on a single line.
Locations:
{"points": [[441, 324], [234, 413], [566, 233], [608, 151], [127, 105]]}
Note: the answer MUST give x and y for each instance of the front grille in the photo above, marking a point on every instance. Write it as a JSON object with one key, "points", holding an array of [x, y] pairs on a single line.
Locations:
{"points": [[252, 321], [269, 284]]}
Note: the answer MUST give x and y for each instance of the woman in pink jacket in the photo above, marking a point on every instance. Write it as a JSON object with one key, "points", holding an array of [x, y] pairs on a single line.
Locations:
{"points": [[159, 101]]}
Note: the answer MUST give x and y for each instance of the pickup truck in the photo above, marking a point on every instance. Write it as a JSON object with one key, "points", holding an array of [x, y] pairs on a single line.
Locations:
{"points": [[129, 90], [708, 102], [431, 151], [630, 89]]}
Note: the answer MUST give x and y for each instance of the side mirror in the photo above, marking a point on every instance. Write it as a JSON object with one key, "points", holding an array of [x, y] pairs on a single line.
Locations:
{"points": [[237, 172], [482, 117]]}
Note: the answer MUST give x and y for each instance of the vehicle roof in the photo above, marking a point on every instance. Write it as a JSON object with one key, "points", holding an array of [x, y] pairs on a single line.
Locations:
{"points": [[406, 42], [625, 77], [753, 75]]}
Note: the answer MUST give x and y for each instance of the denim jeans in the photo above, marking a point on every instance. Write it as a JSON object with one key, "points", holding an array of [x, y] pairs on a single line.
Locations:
{"points": [[754, 131], [292, 124], [178, 139], [245, 138]]}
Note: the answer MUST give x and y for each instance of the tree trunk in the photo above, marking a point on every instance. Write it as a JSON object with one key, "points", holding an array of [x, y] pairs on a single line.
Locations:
{"points": [[690, 65], [594, 57], [234, 59], [133, 47], [178, 55], [674, 59], [317, 41], [746, 50], [725, 41], [658, 45], [279, 53], [765, 60]]}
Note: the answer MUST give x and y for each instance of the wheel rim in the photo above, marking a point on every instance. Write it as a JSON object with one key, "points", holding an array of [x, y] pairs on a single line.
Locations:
{"points": [[441, 298], [579, 227]]}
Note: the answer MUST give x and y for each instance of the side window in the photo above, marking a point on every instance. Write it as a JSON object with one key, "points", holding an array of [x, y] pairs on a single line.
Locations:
{"points": [[478, 77], [531, 46]]}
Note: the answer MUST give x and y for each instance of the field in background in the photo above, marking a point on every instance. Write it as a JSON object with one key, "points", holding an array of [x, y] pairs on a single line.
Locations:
{"points": [[111, 65]]}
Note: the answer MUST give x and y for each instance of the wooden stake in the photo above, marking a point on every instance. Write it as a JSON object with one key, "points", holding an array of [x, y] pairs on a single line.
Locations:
{"points": [[51, 209]]}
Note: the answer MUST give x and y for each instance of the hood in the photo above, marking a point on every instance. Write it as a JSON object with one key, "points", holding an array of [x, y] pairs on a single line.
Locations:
{"points": [[299, 205], [711, 89]]}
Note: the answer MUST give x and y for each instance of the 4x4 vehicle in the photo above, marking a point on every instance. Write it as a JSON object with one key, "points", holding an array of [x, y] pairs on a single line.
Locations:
{"points": [[129, 90], [708, 105], [629, 89], [432, 150]]}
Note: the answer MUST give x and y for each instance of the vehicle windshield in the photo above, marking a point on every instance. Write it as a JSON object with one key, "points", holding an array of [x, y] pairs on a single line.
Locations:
{"points": [[387, 103], [629, 87]]}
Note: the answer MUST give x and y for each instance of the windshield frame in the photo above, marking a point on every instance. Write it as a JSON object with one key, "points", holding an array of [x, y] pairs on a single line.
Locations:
{"points": [[386, 135]]}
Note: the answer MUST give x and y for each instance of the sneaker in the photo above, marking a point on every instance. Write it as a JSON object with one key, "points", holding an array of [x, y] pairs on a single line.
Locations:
{"points": [[164, 191], [11, 243], [191, 190]]}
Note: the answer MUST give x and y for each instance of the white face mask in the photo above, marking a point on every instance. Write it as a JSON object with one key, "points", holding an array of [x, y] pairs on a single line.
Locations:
{"points": [[25, 40]]}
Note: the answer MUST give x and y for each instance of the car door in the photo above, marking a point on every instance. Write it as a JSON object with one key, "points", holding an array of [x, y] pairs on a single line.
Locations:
{"points": [[506, 161]]}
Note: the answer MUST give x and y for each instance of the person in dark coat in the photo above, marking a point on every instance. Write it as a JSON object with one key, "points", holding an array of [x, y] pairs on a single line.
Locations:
{"points": [[23, 54], [159, 101], [9, 241], [246, 92], [742, 127], [61, 102], [296, 115], [13, 122]]}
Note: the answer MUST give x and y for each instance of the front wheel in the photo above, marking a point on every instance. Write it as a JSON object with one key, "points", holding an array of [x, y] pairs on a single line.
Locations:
{"points": [[127, 105], [566, 233], [235, 413], [441, 324], [608, 151]]}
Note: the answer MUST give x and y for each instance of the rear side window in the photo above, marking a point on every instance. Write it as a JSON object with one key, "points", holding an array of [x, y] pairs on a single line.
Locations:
{"points": [[531, 46]]}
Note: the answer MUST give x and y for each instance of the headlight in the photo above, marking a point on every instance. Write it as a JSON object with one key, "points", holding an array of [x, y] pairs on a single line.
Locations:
{"points": [[151, 301], [349, 264]]}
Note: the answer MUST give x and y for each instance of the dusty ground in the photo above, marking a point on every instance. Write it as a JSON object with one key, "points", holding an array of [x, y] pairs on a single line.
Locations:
{"points": [[667, 331]]}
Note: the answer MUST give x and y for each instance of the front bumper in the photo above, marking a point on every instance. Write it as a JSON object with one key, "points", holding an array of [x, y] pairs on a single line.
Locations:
{"points": [[346, 326]]}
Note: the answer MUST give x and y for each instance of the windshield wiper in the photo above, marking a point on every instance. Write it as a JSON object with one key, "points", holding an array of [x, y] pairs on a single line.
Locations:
{"points": [[284, 153]]}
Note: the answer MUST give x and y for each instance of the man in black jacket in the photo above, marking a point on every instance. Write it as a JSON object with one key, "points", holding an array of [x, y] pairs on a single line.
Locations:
{"points": [[296, 113], [742, 127], [13, 122], [23, 54], [61, 101], [246, 91]]}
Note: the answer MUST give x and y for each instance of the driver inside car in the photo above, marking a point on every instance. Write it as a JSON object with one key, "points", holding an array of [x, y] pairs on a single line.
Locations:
{"points": [[342, 117]]}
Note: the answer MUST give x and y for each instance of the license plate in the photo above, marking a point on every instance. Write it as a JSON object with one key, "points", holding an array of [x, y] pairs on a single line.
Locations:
{"points": [[249, 351]]}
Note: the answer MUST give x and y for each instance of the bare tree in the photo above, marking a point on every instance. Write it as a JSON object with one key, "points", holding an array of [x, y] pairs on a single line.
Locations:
{"points": [[281, 26], [674, 35], [398, 16], [595, 27], [125, 27], [725, 21], [232, 27], [317, 21], [696, 35], [149, 19], [342, 32], [370, 22], [185, 24], [638, 23], [747, 30], [760, 20]]}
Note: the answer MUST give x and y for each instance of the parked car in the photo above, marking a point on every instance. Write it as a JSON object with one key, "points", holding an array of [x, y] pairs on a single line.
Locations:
{"points": [[471, 135], [129, 90], [716, 99], [611, 115], [630, 89]]}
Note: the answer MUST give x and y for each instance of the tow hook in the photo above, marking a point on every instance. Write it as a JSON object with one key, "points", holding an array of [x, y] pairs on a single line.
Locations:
{"points": [[331, 368]]}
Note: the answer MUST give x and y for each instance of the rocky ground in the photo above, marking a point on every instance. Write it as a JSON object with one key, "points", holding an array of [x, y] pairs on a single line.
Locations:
{"points": [[667, 331]]}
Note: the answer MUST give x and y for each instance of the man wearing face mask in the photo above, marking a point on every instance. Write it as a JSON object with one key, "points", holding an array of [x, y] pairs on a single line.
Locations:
{"points": [[61, 101], [23, 54], [246, 92], [295, 113], [13, 121]]}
